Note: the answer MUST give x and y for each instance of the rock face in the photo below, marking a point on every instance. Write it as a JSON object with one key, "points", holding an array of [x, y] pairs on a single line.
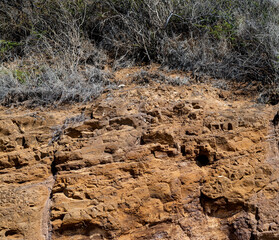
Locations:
{"points": [[153, 162]]}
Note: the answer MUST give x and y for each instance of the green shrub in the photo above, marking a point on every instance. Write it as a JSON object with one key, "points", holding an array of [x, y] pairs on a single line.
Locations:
{"points": [[20, 76], [8, 49]]}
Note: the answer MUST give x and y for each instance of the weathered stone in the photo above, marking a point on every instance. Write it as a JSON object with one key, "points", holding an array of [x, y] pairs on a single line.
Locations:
{"points": [[153, 162]]}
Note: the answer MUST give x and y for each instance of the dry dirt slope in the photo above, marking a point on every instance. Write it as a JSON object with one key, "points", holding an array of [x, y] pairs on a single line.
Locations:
{"points": [[141, 162]]}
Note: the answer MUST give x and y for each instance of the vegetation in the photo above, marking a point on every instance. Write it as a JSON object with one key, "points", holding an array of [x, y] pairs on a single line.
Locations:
{"points": [[52, 50]]}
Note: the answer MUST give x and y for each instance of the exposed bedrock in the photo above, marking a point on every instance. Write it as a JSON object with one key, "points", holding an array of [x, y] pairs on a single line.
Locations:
{"points": [[154, 162]]}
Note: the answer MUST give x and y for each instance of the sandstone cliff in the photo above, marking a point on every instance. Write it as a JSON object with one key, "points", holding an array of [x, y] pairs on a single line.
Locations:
{"points": [[150, 161]]}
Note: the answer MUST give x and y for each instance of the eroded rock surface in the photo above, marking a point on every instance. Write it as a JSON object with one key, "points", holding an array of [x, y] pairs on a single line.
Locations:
{"points": [[142, 162]]}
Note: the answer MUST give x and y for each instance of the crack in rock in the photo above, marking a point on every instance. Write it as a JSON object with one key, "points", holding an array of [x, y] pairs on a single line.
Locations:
{"points": [[46, 225]]}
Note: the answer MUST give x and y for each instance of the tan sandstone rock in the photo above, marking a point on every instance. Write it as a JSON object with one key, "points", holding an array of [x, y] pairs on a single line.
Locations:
{"points": [[144, 162]]}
